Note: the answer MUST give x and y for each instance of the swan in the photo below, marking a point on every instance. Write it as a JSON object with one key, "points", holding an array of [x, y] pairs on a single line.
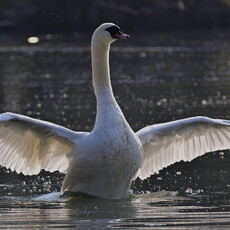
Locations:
{"points": [[103, 162]]}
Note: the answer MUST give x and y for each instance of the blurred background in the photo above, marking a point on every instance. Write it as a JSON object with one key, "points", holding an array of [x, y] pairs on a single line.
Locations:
{"points": [[39, 16]]}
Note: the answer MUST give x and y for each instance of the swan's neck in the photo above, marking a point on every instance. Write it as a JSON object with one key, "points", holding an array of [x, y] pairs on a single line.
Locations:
{"points": [[107, 107], [101, 75]]}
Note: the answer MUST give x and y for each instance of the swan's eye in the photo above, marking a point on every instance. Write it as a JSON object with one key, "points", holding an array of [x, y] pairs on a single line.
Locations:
{"points": [[113, 30]]}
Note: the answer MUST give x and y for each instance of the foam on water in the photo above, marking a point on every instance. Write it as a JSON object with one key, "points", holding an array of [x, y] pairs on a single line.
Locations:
{"points": [[54, 196]]}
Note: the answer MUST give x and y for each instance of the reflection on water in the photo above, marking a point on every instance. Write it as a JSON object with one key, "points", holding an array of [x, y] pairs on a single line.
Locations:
{"points": [[168, 78], [161, 210]]}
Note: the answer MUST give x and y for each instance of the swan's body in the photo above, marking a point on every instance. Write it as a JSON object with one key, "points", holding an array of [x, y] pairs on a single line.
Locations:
{"points": [[104, 162]]}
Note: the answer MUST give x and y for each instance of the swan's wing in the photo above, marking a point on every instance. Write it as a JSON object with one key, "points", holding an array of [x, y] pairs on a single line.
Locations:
{"points": [[167, 143], [28, 145]]}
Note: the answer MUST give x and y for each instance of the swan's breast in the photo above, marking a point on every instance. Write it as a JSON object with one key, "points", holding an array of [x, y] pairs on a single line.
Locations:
{"points": [[105, 162], [110, 149]]}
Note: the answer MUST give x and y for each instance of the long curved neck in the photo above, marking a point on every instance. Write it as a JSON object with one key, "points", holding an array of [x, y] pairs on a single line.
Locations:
{"points": [[106, 103], [101, 73]]}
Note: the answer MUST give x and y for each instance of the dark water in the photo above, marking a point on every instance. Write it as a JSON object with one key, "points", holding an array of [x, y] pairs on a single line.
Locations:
{"points": [[156, 78]]}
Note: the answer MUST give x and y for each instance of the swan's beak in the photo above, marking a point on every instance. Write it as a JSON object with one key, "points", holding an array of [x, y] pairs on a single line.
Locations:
{"points": [[121, 35]]}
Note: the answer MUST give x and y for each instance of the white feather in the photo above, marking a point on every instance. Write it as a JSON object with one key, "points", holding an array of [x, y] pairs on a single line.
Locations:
{"points": [[28, 145], [167, 143]]}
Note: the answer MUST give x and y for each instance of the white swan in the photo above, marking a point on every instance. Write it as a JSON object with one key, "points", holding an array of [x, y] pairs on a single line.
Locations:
{"points": [[104, 162]]}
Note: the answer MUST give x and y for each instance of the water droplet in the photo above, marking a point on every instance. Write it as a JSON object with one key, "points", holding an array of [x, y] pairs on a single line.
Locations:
{"points": [[51, 95], [143, 54], [49, 36], [189, 190], [204, 102]]}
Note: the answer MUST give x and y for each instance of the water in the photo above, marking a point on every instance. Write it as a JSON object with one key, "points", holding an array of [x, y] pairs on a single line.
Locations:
{"points": [[156, 77]]}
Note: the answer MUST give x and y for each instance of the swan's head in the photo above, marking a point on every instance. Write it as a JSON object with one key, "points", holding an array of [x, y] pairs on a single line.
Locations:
{"points": [[108, 33]]}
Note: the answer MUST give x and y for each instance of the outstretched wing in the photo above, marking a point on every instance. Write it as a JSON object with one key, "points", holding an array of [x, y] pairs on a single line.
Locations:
{"points": [[167, 143], [28, 145]]}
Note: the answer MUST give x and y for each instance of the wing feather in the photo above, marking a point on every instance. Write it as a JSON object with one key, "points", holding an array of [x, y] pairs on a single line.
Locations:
{"points": [[186, 139], [28, 145]]}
